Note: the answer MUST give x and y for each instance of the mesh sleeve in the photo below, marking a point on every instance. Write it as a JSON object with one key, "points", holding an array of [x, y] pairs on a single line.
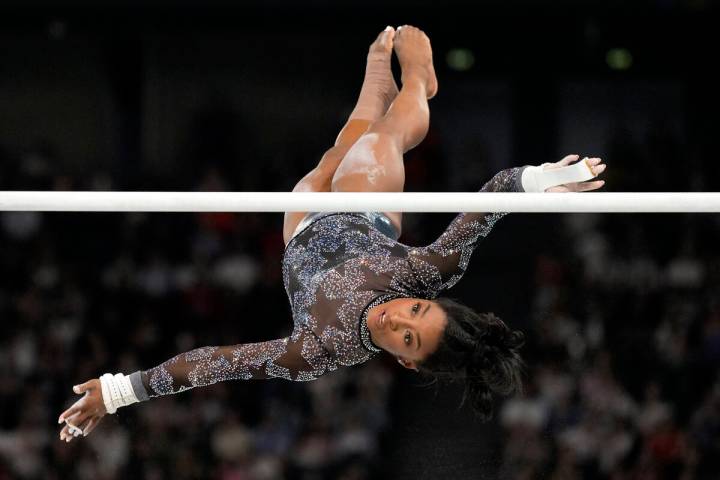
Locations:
{"points": [[441, 264], [300, 357]]}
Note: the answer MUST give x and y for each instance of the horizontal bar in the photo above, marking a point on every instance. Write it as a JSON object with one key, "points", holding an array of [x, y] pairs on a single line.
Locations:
{"points": [[627, 202]]}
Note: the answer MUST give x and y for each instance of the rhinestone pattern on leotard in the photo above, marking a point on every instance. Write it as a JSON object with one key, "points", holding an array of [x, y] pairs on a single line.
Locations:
{"points": [[334, 271]]}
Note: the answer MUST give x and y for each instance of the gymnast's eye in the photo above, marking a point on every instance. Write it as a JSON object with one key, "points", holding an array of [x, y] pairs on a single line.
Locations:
{"points": [[408, 338], [416, 308]]}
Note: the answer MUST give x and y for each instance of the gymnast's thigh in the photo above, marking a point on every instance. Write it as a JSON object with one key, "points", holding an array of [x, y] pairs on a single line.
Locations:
{"points": [[373, 164]]}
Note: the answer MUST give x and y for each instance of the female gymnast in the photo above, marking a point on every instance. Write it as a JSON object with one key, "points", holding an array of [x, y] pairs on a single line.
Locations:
{"points": [[353, 288]]}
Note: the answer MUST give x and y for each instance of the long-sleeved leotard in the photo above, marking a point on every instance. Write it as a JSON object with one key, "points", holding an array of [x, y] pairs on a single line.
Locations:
{"points": [[334, 272]]}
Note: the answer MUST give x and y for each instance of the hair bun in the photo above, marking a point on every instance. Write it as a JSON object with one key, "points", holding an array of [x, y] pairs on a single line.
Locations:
{"points": [[480, 356], [498, 334], [480, 350], [516, 339]]}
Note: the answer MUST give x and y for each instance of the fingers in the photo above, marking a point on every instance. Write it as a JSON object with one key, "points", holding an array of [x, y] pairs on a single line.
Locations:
{"points": [[73, 429], [75, 408], [576, 187], [78, 425], [568, 160], [84, 426], [91, 424], [587, 186], [70, 431], [595, 165], [78, 419], [83, 387], [65, 433]]}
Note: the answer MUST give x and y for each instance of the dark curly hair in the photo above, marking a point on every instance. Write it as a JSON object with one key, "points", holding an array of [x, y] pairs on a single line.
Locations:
{"points": [[479, 349]]}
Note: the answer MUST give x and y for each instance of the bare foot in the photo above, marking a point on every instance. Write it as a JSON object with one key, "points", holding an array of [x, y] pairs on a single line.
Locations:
{"points": [[413, 50], [378, 66]]}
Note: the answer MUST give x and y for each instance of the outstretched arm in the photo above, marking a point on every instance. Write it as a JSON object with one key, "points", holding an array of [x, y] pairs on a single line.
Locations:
{"points": [[441, 264], [299, 358]]}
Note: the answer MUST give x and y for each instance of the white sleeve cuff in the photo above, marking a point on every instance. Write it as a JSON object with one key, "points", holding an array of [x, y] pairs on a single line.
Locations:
{"points": [[117, 391]]}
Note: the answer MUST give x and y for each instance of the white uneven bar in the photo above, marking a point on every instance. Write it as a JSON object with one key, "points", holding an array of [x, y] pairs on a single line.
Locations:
{"points": [[627, 202]]}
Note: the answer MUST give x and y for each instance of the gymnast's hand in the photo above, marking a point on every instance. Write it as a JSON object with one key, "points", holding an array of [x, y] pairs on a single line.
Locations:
{"points": [[594, 164], [85, 414]]}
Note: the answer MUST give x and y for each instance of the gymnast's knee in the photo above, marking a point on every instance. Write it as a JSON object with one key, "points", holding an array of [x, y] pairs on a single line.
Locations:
{"points": [[406, 134]]}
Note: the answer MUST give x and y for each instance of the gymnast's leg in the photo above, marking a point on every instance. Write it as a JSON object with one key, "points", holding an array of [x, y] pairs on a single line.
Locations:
{"points": [[375, 161], [377, 93]]}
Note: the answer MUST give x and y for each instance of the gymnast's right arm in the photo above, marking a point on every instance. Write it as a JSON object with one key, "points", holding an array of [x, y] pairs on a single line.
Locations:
{"points": [[299, 357]]}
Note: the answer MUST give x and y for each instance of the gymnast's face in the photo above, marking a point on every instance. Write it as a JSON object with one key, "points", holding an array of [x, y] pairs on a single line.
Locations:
{"points": [[408, 328]]}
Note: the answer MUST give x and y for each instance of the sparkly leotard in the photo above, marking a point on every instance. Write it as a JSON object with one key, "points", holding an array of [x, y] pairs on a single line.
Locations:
{"points": [[334, 271]]}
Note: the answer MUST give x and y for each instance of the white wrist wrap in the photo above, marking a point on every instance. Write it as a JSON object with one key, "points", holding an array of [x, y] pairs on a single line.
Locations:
{"points": [[537, 179], [117, 391]]}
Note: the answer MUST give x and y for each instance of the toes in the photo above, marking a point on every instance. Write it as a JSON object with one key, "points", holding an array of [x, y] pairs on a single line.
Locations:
{"points": [[387, 31], [378, 39], [388, 36], [384, 41], [408, 29], [404, 30], [412, 36]]}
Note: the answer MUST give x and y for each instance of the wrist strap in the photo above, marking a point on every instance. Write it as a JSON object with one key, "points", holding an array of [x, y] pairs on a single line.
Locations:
{"points": [[537, 179], [117, 391]]}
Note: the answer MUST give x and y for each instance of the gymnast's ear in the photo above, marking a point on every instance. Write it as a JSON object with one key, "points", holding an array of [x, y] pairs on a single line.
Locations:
{"points": [[409, 364]]}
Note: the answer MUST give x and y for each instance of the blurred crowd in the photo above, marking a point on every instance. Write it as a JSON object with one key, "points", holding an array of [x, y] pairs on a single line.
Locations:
{"points": [[625, 346]]}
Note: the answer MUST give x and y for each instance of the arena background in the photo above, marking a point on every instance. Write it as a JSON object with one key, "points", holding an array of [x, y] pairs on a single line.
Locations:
{"points": [[622, 312]]}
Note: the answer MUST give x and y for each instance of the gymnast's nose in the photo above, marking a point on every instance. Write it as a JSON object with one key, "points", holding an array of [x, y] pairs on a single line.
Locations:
{"points": [[393, 321]]}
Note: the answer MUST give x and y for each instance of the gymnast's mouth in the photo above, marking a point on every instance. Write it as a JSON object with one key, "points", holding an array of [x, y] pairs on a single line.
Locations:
{"points": [[380, 320]]}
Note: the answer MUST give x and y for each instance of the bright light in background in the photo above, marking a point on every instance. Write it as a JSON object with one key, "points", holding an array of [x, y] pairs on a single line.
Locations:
{"points": [[619, 58], [460, 59]]}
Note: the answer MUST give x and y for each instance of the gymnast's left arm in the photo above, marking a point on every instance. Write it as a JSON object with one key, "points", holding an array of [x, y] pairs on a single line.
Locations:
{"points": [[441, 264], [299, 357]]}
